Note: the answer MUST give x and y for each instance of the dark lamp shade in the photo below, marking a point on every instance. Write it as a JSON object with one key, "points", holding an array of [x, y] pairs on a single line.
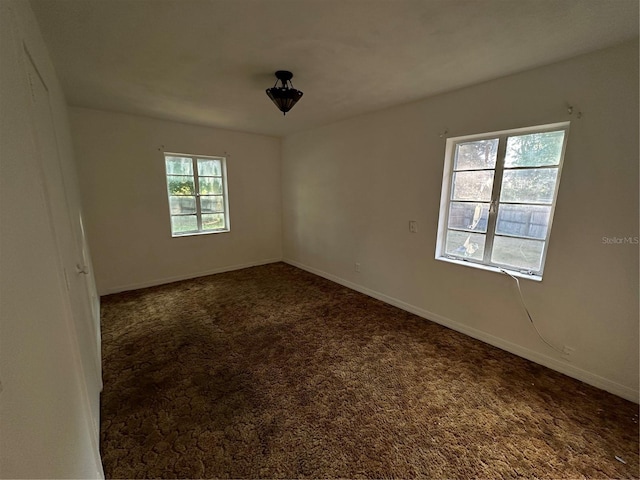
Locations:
{"points": [[284, 98]]}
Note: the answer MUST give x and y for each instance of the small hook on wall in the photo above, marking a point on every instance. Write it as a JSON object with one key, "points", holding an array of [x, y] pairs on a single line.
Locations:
{"points": [[444, 133], [570, 110]]}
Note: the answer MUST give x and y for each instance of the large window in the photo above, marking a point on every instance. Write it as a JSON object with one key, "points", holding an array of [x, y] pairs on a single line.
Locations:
{"points": [[498, 197], [197, 190]]}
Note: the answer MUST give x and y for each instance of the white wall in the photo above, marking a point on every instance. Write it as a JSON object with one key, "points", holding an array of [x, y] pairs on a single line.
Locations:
{"points": [[49, 350], [122, 178], [350, 188]]}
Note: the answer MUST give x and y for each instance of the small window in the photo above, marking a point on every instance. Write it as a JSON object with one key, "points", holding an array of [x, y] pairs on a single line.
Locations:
{"points": [[197, 191], [498, 197]]}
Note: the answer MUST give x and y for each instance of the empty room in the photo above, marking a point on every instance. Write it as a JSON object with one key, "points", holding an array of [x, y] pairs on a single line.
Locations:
{"points": [[319, 238]]}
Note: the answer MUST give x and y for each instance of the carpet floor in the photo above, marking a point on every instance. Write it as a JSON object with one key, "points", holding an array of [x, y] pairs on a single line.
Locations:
{"points": [[273, 372]]}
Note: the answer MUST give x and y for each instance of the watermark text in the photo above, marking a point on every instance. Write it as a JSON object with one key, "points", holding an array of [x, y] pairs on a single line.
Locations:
{"points": [[620, 240]]}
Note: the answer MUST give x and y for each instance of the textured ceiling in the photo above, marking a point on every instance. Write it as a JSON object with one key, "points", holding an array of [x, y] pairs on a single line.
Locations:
{"points": [[209, 62]]}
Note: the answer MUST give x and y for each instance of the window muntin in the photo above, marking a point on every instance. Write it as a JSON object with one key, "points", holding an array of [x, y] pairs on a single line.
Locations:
{"points": [[499, 193], [197, 192]]}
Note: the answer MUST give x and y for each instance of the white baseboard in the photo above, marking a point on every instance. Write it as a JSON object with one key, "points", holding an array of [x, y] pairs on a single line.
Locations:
{"points": [[552, 363], [177, 278]]}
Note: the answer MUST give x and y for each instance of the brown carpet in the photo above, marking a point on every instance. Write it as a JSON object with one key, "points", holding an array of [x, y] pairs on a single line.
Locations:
{"points": [[276, 373]]}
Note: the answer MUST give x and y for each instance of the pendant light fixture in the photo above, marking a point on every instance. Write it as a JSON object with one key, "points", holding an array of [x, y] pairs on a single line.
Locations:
{"points": [[284, 96]]}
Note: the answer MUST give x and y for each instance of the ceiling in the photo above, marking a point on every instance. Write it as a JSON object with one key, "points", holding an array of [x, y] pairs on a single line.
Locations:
{"points": [[208, 62]]}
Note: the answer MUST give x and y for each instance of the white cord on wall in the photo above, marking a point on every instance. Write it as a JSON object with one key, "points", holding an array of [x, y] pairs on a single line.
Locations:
{"points": [[524, 305]]}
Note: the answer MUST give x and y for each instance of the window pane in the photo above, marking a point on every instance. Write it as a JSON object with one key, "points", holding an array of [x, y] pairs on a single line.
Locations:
{"points": [[182, 205], [209, 167], [210, 185], [465, 245], [184, 223], [529, 186], [523, 220], [476, 155], [212, 204], [517, 252], [535, 150], [213, 221], [179, 165], [180, 185], [469, 216], [472, 185]]}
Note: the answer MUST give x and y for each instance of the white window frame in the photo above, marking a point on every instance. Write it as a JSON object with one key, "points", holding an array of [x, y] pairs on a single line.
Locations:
{"points": [[225, 194], [447, 186]]}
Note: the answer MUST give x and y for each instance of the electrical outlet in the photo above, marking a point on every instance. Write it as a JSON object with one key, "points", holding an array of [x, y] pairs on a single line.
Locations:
{"points": [[413, 226], [357, 267], [567, 351]]}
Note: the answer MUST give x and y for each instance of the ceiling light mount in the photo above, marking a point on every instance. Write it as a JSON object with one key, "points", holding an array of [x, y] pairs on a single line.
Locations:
{"points": [[284, 96]]}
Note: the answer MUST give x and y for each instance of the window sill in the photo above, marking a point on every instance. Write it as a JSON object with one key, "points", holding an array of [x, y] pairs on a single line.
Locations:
{"points": [[515, 273], [193, 234]]}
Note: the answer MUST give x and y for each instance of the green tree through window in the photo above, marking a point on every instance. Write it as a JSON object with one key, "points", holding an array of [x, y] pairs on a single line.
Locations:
{"points": [[499, 195], [197, 192]]}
